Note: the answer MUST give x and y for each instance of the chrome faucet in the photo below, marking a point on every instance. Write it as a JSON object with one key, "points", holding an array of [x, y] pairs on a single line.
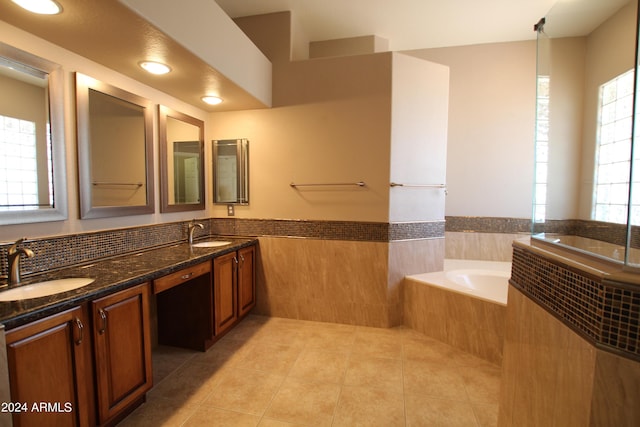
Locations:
{"points": [[13, 260], [192, 227]]}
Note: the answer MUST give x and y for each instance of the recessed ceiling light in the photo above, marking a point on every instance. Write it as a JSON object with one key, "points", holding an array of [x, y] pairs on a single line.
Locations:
{"points": [[212, 100], [42, 7], [155, 67]]}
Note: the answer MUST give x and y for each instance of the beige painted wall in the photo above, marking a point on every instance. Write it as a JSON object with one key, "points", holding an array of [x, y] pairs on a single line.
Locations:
{"points": [[419, 113], [330, 124], [491, 125]]}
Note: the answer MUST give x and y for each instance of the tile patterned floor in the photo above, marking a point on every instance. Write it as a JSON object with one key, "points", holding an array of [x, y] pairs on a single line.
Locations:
{"points": [[272, 372]]}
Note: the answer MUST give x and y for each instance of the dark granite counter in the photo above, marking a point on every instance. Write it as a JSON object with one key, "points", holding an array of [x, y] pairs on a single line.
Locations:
{"points": [[111, 275]]}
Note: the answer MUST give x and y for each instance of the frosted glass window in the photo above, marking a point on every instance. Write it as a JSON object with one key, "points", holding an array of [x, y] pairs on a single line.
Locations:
{"points": [[613, 153], [542, 148], [18, 164]]}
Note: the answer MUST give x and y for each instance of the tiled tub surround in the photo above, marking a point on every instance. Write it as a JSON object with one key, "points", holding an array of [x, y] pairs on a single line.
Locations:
{"points": [[459, 319], [571, 344], [483, 238]]}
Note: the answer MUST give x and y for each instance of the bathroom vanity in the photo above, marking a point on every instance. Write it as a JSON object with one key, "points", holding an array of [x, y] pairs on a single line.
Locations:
{"points": [[83, 357]]}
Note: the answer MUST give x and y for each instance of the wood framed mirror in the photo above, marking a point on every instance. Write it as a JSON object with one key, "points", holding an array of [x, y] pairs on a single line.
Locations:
{"points": [[115, 150], [181, 147]]}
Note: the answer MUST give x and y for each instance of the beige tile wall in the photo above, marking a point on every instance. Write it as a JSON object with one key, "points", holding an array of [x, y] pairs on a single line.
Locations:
{"points": [[481, 246], [469, 324], [547, 370], [340, 281]]}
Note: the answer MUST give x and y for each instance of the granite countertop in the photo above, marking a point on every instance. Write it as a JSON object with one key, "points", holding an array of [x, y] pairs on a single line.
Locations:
{"points": [[111, 275]]}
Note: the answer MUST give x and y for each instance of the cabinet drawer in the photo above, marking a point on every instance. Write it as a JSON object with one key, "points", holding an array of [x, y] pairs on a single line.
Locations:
{"points": [[179, 277]]}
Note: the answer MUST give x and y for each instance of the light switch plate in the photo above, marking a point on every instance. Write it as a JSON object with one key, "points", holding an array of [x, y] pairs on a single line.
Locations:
{"points": [[230, 210]]}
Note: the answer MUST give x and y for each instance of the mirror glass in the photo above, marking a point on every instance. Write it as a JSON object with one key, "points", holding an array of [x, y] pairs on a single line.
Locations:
{"points": [[32, 150], [231, 171], [115, 147], [585, 75], [181, 161]]}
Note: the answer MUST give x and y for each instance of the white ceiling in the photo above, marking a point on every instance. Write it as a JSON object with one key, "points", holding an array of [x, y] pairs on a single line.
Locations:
{"points": [[417, 24]]}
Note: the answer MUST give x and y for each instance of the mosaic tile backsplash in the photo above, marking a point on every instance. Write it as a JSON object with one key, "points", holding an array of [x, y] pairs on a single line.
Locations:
{"points": [[606, 313], [75, 249]]}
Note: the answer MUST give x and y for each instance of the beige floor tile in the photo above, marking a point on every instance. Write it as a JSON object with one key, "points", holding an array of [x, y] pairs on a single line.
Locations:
{"points": [[268, 422], [369, 371], [159, 412], [167, 359], [244, 391], [271, 357], [482, 383], [422, 411], [204, 416], [433, 380], [377, 342], [304, 403], [320, 366], [487, 415], [191, 383], [428, 349], [369, 407], [330, 339]]}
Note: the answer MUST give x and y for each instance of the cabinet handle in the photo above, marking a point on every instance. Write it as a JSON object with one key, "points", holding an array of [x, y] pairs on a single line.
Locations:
{"points": [[186, 276], [103, 318], [241, 260], [80, 331]]}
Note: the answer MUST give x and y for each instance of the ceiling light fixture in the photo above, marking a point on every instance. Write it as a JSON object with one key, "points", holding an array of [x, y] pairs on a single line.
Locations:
{"points": [[155, 67], [42, 7], [212, 100]]}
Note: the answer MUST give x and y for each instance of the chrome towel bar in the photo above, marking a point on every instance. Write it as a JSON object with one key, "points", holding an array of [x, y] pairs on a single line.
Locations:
{"points": [[359, 184]]}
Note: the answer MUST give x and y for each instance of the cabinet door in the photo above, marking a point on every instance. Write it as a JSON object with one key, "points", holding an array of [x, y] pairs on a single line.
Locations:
{"points": [[246, 280], [50, 367], [122, 342], [224, 292]]}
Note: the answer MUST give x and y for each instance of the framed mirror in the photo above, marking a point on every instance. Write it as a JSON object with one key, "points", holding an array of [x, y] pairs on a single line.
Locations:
{"points": [[115, 150], [33, 185], [231, 172], [181, 139]]}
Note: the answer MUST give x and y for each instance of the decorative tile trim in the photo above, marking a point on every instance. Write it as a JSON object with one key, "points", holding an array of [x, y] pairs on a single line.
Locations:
{"points": [[329, 230], [598, 230], [487, 224], [606, 313], [53, 253]]}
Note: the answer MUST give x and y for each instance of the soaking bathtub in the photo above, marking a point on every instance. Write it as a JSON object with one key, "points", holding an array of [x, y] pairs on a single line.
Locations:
{"points": [[464, 305]]}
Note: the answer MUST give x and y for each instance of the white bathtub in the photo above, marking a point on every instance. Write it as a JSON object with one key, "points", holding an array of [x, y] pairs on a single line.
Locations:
{"points": [[485, 280], [464, 305]]}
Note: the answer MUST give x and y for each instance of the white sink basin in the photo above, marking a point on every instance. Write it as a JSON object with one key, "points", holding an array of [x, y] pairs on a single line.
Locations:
{"points": [[211, 244], [43, 289]]}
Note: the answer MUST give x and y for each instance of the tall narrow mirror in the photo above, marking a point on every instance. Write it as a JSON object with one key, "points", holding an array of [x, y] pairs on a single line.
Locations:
{"points": [[181, 139], [231, 171], [115, 150], [32, 150]]}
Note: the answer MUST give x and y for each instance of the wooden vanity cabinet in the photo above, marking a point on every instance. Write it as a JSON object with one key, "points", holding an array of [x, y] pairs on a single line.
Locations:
{"points": [[49, 363], [233, 287], [122, 347], [225, 292], [246, 280]]}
